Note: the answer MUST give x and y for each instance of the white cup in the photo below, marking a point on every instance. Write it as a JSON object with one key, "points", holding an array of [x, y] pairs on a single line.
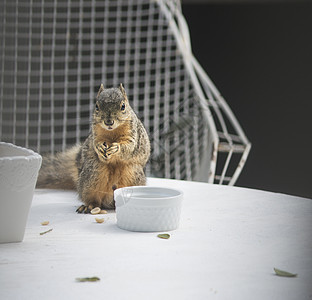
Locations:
{"points": [[19, 169]]}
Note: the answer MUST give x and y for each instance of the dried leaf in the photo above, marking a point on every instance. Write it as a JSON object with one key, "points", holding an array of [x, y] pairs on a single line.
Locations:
{"points": [[42, 233], [164, 236], [284, 273], [84, 279]]}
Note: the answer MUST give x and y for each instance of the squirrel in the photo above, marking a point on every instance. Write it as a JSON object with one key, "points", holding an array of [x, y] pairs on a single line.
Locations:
{"points": [[113, 155]]}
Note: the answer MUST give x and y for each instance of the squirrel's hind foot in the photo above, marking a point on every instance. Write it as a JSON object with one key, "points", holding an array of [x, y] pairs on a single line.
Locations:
{"points": [[84, 209]]}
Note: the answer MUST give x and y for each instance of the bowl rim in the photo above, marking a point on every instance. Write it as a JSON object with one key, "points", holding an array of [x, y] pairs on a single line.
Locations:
{"points": [[146, 187], [29, 154]]}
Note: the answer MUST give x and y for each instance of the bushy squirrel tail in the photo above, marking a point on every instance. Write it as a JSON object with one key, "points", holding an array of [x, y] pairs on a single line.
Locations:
{"points": [[59, 171]]}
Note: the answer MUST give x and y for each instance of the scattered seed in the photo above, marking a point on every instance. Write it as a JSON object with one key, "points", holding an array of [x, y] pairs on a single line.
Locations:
{"points": [[164, 236], [95, 210], [42, 233], [99, 220], [84, 279], [44, 223], [103, 212]]}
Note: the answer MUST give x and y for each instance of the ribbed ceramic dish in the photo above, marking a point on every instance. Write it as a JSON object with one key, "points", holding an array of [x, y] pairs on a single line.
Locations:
{"points": [[19, 169], [144, 208]]}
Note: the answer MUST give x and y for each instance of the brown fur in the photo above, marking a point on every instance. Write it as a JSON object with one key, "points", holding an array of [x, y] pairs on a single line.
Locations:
{"points": [[113, 156]]}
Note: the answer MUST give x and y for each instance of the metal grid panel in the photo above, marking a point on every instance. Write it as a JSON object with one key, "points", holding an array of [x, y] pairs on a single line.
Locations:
{"points": [[55, 54]]}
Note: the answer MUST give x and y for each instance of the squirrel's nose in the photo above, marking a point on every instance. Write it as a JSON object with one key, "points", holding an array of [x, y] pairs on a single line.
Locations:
{"points": [[109, 122]]}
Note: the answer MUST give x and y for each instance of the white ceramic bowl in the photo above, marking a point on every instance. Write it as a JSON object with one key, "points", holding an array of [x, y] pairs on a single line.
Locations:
{"points": [[144, 208], [18, 176]]}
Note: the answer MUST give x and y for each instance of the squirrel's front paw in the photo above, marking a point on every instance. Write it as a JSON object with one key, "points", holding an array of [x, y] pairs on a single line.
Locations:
{"points": [[106, 151], [101, 150], [114, 148]]}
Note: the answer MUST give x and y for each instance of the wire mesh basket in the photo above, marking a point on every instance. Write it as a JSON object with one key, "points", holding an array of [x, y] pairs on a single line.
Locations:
{"points": [[55, 54]]}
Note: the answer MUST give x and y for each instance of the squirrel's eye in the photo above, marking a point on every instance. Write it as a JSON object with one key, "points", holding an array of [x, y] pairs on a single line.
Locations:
{"points": [[123, 107], [96, 107]]}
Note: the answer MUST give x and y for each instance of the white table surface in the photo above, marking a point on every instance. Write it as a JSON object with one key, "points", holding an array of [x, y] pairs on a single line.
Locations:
{"points": [[226, 247]]}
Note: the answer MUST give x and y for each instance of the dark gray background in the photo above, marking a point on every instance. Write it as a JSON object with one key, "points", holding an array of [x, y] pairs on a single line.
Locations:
{"points": [[260, 57]]}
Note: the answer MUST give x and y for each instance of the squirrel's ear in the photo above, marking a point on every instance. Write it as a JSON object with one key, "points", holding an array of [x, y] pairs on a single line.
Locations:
{"points": [[123, 91], [100, 90]]}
